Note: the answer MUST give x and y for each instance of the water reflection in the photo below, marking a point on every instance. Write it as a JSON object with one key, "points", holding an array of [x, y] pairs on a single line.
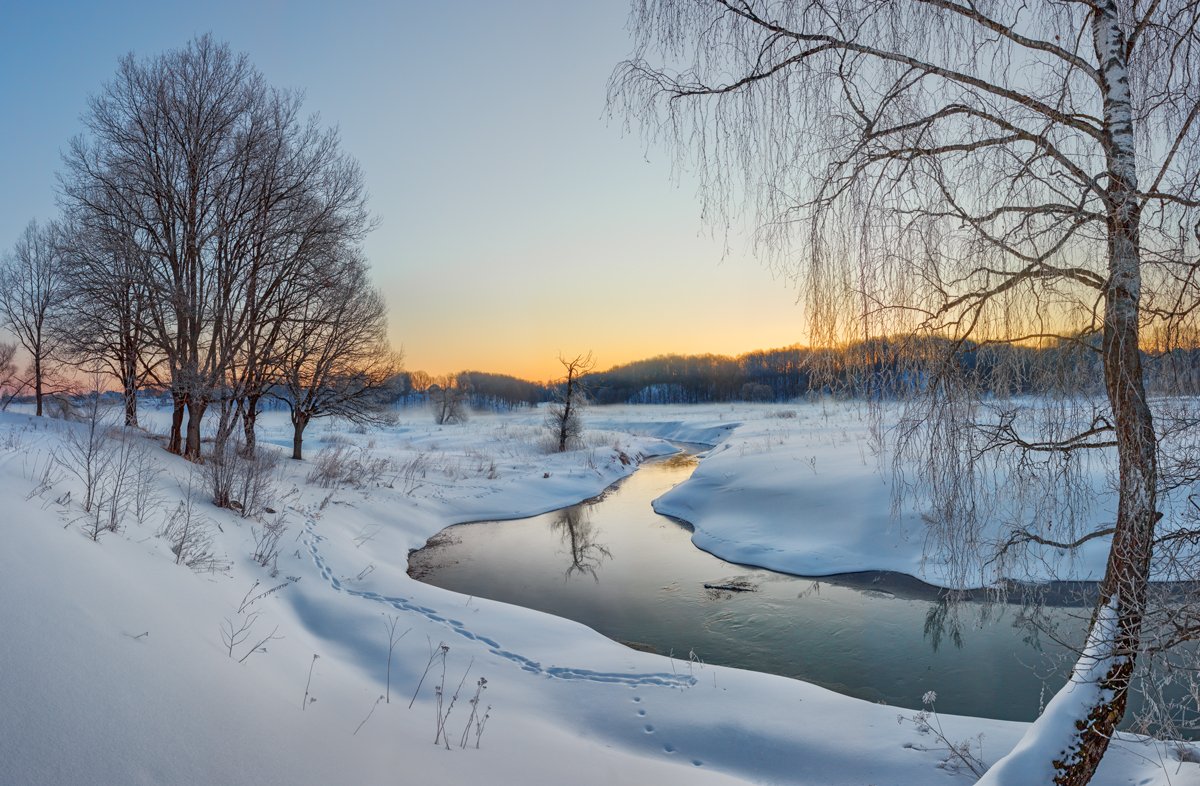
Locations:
{"points": [[877, 636], [574, 526]]}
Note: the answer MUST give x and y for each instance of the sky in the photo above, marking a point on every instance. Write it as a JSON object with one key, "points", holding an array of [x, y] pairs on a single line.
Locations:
{"points": [[517, 222]]}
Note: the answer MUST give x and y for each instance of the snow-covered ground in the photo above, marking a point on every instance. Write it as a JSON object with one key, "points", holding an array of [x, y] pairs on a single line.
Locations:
{"points": [[114, 667], [804, 489]]}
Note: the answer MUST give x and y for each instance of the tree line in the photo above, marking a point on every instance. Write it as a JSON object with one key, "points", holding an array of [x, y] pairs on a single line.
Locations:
{"points": [[885, 368], [209, 244]]}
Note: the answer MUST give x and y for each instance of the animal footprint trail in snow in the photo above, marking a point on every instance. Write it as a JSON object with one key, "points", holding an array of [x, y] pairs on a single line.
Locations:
{"points": [[312, 541]]}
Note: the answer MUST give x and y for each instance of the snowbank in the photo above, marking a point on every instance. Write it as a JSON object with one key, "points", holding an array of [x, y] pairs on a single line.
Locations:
{"points": [[115, 668]]}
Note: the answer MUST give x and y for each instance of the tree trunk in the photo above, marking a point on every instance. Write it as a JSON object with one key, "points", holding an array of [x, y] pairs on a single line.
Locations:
{"points": [[175, 441], [1127, 574], [191, 450], [130, 396], [226, 425], [37, 385], [129, 389], [564, 423], [249, 416], [298, 424]]}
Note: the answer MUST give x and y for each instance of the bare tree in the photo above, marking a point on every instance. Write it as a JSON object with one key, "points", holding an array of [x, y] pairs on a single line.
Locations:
{"points": [[160, 162], [107, 295], [579, 536], [11, 384], [336, 361], [222, 195], [306, 200], [31, 282], [448, 396], [563, 417], [420, 381], [969, 176]]}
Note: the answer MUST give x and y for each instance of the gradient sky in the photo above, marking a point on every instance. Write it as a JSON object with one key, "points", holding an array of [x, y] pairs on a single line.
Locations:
{"points": [[516, 221]]}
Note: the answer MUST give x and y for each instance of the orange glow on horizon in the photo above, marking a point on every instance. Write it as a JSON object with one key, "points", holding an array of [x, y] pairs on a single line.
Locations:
{"points": [[544, 367]]}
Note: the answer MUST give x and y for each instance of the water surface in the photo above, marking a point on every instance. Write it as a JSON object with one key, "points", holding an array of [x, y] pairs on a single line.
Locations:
{"points": [[633, 575]]}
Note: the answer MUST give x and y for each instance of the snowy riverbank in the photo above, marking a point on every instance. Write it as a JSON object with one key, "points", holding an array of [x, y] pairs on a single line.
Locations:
{"points": [[113, 666]]}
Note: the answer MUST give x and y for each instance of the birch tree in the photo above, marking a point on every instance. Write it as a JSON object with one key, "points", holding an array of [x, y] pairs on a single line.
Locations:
{"points": [[972, 175]]}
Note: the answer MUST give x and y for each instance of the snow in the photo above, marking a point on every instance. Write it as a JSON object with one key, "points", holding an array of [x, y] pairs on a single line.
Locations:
{"points": [[1053, 736], [801, 489], [113, 668]]}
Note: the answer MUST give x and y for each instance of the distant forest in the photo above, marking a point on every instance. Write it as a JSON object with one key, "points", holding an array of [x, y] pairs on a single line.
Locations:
{"points": [[877, 369]]}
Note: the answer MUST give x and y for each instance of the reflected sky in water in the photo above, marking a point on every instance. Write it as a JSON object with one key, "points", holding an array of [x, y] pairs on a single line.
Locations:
{"points": [[634, 576]]}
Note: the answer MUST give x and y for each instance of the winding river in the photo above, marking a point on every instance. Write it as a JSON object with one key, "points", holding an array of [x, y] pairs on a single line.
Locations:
{"points": [[618, 567]]}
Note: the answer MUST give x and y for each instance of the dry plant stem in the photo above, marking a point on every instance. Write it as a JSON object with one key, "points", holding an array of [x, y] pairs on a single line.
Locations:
{"points": [[480, 686], [393, 639], [441, 732], [308, 684], [259, 646], [369, 714], [233, 636], [248, 601], [442, 649], [959, 751], [480, 724]]}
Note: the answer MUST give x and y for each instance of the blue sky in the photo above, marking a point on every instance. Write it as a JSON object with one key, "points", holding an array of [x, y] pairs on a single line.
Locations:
{"points": [[516, 220]]}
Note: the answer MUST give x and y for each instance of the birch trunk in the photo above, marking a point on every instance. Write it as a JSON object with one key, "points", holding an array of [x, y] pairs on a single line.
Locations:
{"points": [[1128, 570]]}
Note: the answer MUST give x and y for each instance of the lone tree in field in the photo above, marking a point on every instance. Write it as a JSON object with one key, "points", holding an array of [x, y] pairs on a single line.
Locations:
{"points": [[448, 397], [569, 399], [956, 177], [31, 286]]}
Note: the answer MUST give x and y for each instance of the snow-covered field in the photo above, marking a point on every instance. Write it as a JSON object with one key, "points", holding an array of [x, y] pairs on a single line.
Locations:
{"points": [[115, 667]]}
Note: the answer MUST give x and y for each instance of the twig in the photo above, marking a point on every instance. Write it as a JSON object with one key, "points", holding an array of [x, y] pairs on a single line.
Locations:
{"points": [[393, 639], [309, 683], [369, 714], [258, 646]]}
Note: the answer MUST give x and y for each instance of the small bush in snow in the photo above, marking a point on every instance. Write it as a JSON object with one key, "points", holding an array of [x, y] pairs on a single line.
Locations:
{"points": [[960, 756], [345, 465], [189, 534], [242, 483], [266, 541], [85, 450], [412, 473], [113, 465]]}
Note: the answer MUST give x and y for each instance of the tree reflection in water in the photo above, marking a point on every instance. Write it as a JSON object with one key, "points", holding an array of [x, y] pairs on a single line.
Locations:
{"points": [[574, 525]]}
